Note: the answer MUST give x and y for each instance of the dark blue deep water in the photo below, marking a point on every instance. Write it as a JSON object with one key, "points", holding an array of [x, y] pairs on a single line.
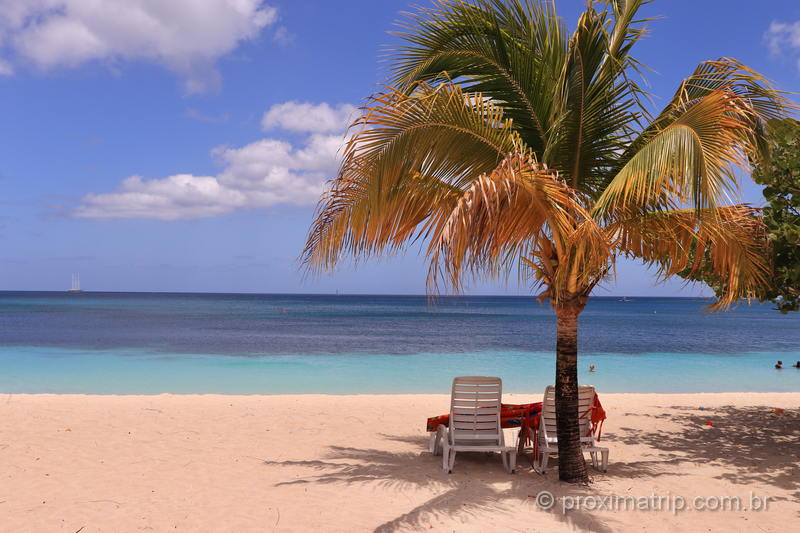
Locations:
{"points": [[234, 343]]}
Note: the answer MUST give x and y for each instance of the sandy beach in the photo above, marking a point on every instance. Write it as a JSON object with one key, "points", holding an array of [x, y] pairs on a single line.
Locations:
{"points": [[359, 463]]}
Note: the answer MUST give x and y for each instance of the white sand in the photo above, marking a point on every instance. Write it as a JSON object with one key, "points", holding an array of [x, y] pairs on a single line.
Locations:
{"points": [[358, 463]]}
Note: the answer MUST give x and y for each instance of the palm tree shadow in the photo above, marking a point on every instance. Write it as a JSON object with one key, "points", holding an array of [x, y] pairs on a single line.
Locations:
{"points": [[754, 444], [478, 485]]}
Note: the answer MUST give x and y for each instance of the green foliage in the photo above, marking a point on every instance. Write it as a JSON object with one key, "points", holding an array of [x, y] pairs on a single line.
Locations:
{"points": [[780, 175]]}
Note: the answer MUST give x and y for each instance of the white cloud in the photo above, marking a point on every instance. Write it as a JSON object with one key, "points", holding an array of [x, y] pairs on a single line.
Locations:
{"points": [[783, 39], [305, 117], [185, 36], [262, 174], [172, 198]]}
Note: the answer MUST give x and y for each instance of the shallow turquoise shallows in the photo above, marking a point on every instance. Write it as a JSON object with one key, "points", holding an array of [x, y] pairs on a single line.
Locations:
{"points": [[40, 370]]}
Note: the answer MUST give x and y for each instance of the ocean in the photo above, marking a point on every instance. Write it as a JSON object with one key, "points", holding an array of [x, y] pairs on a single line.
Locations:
{"points": [[149, 343]]}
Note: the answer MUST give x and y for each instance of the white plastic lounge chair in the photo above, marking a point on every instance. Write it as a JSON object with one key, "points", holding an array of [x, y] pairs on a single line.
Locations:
{"points": [[548, 442], [475, 422]]}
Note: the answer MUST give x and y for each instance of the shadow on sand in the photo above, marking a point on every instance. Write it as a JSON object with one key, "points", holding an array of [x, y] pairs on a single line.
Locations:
{"points": [[478, 485], [753, 444]]}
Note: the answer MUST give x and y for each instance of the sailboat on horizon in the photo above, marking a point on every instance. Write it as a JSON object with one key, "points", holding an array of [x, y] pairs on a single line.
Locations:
{"points": [[76, 283]]}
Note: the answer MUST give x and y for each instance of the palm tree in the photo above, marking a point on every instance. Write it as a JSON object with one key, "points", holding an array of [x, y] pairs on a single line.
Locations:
{"points": [[503, 142]]}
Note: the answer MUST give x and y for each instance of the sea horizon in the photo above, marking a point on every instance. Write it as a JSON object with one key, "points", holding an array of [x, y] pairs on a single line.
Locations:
{"points": [[342, 293]]}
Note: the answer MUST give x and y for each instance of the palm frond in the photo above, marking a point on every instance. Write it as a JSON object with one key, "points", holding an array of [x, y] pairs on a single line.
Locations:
{"points": [[412, 158], [690, 152], [758, 100], [520, 209], [512, 52], [596, 104], [691, 160], [733, 238]]}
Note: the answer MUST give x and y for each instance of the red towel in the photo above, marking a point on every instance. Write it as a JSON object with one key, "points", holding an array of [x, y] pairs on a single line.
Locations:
{"points": [[597, 417], [511, 416]]}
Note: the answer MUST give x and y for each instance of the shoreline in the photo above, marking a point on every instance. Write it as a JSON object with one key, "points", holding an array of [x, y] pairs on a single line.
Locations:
{"points": [[643, 395], [360, 463]]}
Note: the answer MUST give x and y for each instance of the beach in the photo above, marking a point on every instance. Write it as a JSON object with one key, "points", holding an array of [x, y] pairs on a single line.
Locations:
{"points": [[94, 463], [245, 272]]}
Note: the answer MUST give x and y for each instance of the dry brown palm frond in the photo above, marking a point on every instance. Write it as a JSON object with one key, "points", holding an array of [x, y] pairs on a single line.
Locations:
{"points": [[733, 238], [520, 209], [692, 160], [412, 159], [688, 155]]}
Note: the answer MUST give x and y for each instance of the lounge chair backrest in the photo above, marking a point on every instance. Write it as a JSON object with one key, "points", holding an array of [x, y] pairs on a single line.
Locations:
{"points": [[545, 441], [475, 409], [548, 417]]}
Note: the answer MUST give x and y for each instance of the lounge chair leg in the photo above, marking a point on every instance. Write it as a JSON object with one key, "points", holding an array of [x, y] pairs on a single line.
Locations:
{"points": [[438, 439], [604, 454], [432, 442], [512, 461], [504, 457], [593, 455], [543, 463], [448, 459]]}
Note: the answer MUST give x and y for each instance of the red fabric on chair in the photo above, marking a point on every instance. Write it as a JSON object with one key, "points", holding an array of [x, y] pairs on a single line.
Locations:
{"points": [[597, 417], [511, 416]]}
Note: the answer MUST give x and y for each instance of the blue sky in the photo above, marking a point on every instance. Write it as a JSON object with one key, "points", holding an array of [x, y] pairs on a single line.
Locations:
{"points": [[180, 146]]}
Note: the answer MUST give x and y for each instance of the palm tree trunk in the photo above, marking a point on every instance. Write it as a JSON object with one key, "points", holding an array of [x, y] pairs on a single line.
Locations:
{"points": [[571, 466]]}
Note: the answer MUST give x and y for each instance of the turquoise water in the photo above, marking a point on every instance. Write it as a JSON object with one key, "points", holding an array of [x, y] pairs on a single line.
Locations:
{"points": [[58, 370], [261, 344]]}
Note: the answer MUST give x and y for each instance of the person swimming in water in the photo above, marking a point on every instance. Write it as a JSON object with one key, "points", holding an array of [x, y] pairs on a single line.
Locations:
{"points": [[797, 364], [779, 365], [591, 367]]}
